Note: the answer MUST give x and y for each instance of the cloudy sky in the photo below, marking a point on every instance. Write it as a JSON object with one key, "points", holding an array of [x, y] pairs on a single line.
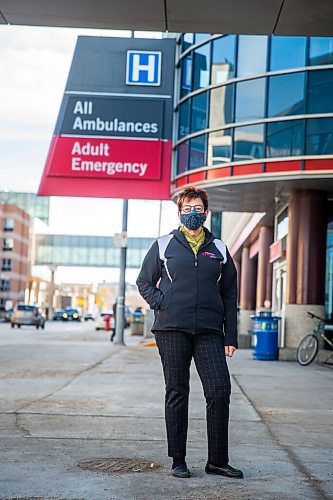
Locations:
{"points": [[34, 64]]}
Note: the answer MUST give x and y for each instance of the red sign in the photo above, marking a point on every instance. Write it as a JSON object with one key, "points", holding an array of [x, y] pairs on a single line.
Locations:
{"points": [[113, 167], [275, 251], [105, 158]]}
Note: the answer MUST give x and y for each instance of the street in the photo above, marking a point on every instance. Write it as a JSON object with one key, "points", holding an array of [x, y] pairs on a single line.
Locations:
{"points": [[82, 418]]}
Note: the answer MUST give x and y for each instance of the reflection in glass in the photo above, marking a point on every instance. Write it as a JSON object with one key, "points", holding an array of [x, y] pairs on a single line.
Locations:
{"points": [[287, 52], [221, 106], [216, 223], [252, 52], [223, 59], [183, 150], [320, 51], [198, 151], [319, 136], [186, 82], [249, 142], [320, 91], [285, 138], [187, 41], [184, 119], [250, 99], [201, 37], [286, 95], [199, 112], [201, 66], [329, 272], [219, 147]]}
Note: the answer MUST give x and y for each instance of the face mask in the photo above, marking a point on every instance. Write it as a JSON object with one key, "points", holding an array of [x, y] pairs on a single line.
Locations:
{"points": [[193, 220]]}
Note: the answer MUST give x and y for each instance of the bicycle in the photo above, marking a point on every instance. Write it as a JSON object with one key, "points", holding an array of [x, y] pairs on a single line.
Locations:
{"points": [[309, 345]]}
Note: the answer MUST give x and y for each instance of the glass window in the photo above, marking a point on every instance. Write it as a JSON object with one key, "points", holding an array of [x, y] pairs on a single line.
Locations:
{"points": [[287, 52], [329, 273], [186, 77], [223, 59], [216, 223], [184, 119], [319, 136], [201, 66], [201, 37], [199, 112], [252, 51], [9, 225], [250, 99], [282, 222], [221, 106], [187, 41], [320, 51], [249, 142], [285, 138], [6, 264], [320, 91], [8, 244], [183, 154], [286, 95], [219, 147], [198, 147]]}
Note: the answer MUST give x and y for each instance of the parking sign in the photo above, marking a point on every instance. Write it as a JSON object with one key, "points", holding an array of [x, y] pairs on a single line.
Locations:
{"points": [[143, 68]]}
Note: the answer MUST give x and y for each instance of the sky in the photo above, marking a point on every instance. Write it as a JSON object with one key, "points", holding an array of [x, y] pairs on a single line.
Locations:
{"points": [[34, 65]]}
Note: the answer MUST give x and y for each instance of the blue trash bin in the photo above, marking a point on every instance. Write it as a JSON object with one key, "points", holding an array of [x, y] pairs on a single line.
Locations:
{"points": [[265, 337]]}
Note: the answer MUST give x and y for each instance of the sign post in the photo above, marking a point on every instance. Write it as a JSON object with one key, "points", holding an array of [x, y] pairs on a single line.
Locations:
{"points": [[120, 311]]}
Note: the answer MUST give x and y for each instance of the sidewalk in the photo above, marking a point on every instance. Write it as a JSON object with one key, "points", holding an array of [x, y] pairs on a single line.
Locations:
{"points": [[63, 404]]}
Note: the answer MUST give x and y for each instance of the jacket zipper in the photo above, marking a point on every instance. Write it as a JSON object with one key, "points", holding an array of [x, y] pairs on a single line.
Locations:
{"points": [[196, 294]]}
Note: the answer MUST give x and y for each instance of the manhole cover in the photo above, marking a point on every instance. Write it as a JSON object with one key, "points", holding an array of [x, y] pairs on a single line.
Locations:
{"points": [[119, 465]]}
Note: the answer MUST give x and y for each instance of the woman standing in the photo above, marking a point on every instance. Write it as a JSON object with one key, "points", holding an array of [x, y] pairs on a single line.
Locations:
{"points": [[189, 279]]}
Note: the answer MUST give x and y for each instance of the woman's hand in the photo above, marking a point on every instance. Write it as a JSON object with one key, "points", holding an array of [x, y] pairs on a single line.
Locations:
{"points": [[229, 350]]}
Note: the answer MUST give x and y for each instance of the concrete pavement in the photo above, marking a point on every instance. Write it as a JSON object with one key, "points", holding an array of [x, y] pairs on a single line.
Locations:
{"points": [[69, 396]]}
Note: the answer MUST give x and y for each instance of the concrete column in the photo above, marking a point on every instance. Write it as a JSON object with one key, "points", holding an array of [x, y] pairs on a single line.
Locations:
{"points": [[248, 281], [306, 252], [264, 274], [306, 247]]}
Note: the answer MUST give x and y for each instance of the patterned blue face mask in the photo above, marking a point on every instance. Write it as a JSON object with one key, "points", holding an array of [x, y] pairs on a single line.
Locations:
{"points": [[193, 220]]}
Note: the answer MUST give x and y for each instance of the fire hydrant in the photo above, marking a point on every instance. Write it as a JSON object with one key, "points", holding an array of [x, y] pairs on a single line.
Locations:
{"points": [[107, 322]]}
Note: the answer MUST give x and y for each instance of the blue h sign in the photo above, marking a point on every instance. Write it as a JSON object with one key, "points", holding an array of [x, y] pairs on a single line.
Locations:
{"points": [[143, 68]]}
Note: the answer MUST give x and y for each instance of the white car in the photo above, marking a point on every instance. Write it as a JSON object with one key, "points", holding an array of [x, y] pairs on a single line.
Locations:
{"points": [[100, 320]]}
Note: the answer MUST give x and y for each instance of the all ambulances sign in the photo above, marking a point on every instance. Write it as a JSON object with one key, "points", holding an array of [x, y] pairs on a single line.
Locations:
{"points": [[112, 138]]}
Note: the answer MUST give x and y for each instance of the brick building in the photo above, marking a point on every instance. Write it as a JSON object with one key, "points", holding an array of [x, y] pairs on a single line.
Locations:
{"points": [[14, 261]]}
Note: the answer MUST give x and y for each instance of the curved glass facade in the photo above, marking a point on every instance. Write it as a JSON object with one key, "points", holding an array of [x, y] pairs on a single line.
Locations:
{"points": [[244, 98]]}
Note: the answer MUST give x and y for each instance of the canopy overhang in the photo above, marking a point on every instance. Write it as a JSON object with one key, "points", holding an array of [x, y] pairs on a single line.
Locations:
{"points": [[278, 17]]}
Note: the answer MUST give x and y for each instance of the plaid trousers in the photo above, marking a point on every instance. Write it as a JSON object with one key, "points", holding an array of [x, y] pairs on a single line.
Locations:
{"points": [[176, 350]]}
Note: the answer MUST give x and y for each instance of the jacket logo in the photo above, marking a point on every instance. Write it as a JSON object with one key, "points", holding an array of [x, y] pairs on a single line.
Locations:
{"points": [[209, 254]]}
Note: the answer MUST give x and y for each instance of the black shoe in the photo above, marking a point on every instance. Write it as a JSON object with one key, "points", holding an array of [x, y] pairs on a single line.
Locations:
{"points": [[181, 471], [227, 470]]}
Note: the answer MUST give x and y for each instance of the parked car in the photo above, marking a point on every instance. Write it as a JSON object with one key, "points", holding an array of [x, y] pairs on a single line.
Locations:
{"points": [[89, 317], [26, 314], [58, 315], [71, 314], [100, 320], [8, 315]]}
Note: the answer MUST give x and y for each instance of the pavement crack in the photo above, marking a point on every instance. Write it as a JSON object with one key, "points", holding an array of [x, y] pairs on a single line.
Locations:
{"points": [[85, 370], [20, 426], [314, 483]]}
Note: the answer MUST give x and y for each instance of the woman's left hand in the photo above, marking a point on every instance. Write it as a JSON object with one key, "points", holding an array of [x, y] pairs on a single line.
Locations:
{"points": [[229, 350]]}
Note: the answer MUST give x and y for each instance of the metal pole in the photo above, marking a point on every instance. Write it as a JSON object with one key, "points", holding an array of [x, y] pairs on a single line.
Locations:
{"points": [[120, 311]]}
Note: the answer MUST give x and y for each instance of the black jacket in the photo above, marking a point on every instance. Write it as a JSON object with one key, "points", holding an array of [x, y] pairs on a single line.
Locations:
{"points": [[188, 292]]}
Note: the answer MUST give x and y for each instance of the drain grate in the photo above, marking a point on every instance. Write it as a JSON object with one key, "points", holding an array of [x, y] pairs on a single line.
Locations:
{"points": [[119, 465]]}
